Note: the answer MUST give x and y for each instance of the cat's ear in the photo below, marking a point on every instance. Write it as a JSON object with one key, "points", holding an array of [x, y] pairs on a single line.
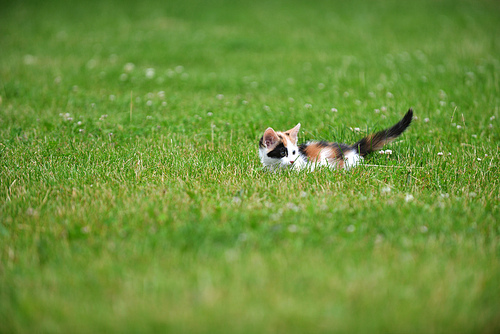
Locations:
{"points": [[270, 137], [294, 132]]}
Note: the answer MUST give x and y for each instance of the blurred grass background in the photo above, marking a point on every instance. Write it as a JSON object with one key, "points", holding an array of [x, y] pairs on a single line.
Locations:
{"points": [[132, 195]]}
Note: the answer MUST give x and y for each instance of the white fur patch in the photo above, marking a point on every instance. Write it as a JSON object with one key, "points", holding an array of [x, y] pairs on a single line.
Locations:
{"points": [[352, 159]]}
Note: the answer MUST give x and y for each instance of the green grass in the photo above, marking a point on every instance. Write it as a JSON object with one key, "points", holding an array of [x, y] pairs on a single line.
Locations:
{"points": [[138, 204]]}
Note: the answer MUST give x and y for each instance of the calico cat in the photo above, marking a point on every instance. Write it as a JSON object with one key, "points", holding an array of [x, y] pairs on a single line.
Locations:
{"points": [[280, 149]]}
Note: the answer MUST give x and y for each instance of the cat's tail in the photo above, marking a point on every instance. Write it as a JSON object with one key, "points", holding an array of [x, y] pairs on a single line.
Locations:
{"points": [[375, 141]]}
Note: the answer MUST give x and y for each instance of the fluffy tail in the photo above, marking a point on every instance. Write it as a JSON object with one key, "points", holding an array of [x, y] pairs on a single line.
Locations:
{"points": [[374, 142]]}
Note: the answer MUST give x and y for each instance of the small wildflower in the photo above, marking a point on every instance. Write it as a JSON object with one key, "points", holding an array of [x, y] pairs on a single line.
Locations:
{"points": [[385, 190], [377, 111], [149, 117], [389, 152], [307, 105], [423, 229], [440, 153], [245, 102], [81, 130], [472, 194], [129, 67], [161, 94], [356, 130], [389, 95], [79, 123], [163, 104], [459, 127], [479, 159], [381, 152], [210, 113], [220, 96], [409, 198], [149, 103], [492, 118], [266, 108], [449, 154], [292, 228], [334, 110], [150, 73], [426, 120], [474, 136], [383, 109], [293, 207], [490, 126], [350, 229]]}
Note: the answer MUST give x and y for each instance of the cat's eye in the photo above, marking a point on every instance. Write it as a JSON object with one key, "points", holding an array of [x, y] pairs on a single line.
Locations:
{"points": [[293, 152], [283, 152]]}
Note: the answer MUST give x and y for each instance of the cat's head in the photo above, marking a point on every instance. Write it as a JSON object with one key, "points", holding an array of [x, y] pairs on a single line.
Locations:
{"points": [[279, 149]]}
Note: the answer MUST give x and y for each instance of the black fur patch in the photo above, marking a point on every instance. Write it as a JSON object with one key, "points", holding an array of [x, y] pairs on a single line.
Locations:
{"points": [[278, 152]]}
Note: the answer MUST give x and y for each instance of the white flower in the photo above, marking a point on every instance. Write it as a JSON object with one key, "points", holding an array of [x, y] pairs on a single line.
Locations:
{"points": [[385, 190], [350, 229], [308, 105], [426, 120], [389, 95], [440, 153], [381, 152], [492, 118], [459, 127], [150, 73], [161, 94], [149, 103], [479, 159], [220, 96], [334, 110], [210, 113], [388, 152], [377, 111], [129, 67], [409, 198]]}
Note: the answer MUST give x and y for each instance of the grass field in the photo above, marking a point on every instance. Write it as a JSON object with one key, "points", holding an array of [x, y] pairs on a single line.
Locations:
{"points": [[133, 199]]}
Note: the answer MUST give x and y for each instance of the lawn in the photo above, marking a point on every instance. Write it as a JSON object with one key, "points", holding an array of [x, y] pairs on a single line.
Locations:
{"points": [[133, 198]]}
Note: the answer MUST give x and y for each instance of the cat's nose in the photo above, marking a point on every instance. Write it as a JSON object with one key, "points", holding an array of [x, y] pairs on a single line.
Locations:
{"points": [[291, 162]]}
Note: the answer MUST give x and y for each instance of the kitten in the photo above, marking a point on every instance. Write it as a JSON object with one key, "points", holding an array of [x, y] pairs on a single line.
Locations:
{"points": [[280, 149]]}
